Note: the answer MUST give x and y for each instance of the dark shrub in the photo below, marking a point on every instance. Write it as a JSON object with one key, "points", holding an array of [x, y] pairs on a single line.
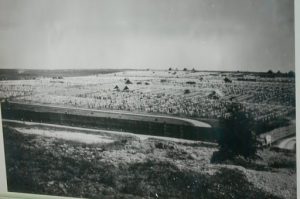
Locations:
{"points": [[187, 91], [191, 82], [237, 135]]}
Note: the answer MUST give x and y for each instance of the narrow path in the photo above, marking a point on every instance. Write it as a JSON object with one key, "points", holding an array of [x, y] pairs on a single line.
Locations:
{"points": [[140, 136], [288, 143]]}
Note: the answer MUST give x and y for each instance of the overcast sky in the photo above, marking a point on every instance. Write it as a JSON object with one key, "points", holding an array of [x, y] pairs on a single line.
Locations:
{"points": [[253, 35]]}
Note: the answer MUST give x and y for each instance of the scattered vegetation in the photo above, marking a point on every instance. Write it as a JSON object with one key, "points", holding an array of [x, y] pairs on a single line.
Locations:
{"points": [[191, 82], [227, 80], [187, 91], [213, 95]]}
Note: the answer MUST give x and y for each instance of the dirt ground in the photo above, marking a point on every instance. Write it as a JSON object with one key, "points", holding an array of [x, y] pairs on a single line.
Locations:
{"points": [[131, 167]]}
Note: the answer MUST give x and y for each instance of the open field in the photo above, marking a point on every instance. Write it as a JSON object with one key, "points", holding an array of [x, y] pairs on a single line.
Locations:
{"points": [[19, 74], [134, 167], [199, 95]]}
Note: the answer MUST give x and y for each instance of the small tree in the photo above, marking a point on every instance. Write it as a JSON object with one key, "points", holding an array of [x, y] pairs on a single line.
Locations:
{"points": [[237, 135], [270, 72], [291, 73]]}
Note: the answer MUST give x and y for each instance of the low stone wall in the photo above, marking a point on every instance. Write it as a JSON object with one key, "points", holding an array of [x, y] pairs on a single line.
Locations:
{"points": [[141, 125]]}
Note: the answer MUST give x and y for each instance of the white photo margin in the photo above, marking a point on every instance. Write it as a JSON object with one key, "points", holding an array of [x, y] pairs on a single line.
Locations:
{"points": [[10, 195]]}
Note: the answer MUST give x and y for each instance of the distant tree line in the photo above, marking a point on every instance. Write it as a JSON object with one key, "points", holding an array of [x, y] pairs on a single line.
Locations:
{"points": [[272, 74]]}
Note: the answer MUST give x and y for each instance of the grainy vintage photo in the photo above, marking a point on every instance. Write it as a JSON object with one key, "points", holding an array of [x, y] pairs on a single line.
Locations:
{"points": [[149, 99]]}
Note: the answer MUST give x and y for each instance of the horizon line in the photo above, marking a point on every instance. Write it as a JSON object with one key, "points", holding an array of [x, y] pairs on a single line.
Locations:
{"points": [[145, 69]]}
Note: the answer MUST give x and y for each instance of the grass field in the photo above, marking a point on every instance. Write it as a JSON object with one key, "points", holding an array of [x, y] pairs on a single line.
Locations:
{"points": [[189, 94]]}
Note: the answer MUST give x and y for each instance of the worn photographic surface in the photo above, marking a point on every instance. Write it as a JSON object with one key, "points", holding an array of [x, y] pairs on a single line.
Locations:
{"points": [[149, 99]]}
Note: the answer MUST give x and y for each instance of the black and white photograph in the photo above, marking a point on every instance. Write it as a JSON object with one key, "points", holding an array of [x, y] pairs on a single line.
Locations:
{"points": [[149, 99]]}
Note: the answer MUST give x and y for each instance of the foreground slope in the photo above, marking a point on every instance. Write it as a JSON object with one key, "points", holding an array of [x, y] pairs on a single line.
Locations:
{"points": [[134, 166]]}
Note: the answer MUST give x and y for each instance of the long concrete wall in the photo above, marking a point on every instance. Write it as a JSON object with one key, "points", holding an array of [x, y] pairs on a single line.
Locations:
{"points": [[135, 123]]}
